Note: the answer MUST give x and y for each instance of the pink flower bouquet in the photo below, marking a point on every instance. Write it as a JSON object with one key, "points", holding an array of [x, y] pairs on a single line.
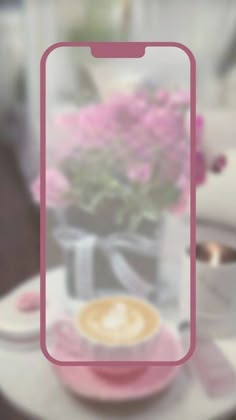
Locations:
{"points": [[133, 149]]}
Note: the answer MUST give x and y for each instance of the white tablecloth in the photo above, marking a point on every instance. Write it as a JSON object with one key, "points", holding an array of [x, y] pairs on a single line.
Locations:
{"points": [[28, 381]]}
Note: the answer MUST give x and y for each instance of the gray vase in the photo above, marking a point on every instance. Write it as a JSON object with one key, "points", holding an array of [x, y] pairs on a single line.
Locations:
{"points": [[99, 256]]}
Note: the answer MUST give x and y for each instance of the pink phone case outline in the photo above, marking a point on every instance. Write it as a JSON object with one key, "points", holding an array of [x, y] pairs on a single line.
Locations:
{"points": [[108, 48]]}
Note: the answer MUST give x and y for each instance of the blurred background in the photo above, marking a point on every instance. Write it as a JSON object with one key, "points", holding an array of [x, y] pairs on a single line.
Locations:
{"points": [[28, 27]]}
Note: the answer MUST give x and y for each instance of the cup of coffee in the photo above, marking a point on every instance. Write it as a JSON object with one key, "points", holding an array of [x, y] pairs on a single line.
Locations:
{"points": [[216, 288], [117, 328]]}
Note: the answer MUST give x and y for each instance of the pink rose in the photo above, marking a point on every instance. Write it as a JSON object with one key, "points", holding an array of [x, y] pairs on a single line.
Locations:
{"points": [[162, 96], [219, 164], [163, 125], [56, 188], [180, 99], [140, 172]]}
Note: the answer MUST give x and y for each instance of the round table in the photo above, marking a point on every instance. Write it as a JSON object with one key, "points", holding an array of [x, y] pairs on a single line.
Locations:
{"points": [[27, 379]]}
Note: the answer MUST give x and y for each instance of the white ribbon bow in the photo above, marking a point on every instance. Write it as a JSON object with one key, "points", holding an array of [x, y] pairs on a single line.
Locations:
{"points": [[80, 247]]}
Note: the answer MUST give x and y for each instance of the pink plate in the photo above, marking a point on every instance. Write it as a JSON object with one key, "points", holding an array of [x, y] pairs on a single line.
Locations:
{"points": [[85, 382]]}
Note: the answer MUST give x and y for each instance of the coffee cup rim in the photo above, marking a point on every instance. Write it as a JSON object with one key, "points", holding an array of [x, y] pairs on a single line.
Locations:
{"points": [[95, 341]]}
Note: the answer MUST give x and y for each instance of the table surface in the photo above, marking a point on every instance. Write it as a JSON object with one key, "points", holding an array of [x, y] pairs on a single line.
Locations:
{"points": [[28, 381]]}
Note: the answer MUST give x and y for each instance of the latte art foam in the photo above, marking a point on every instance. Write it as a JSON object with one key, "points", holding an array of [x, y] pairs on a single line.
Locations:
{"points": [[118, 320]]}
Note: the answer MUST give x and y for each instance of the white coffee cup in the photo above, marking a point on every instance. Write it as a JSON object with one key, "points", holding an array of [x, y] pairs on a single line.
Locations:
{"points": [[215, 288], [132, 342]]}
